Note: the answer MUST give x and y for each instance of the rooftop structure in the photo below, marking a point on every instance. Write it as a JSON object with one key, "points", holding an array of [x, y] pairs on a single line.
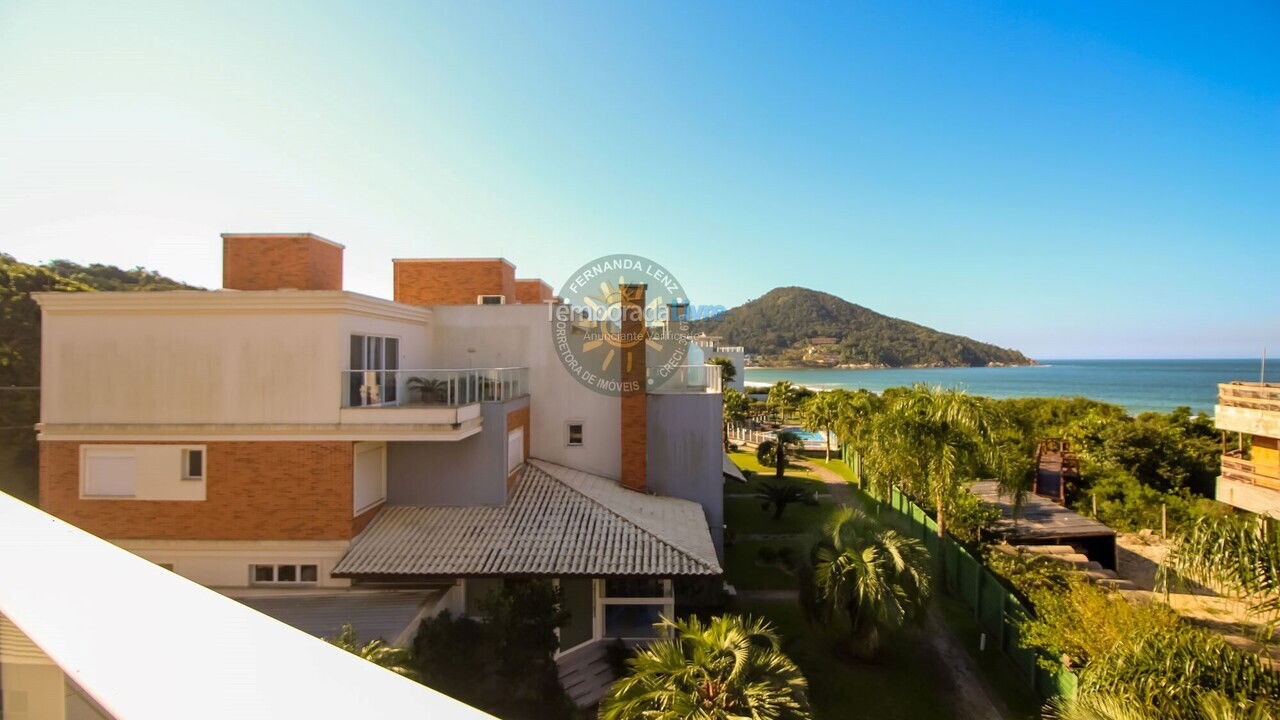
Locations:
{"points": [[1250, 477]]}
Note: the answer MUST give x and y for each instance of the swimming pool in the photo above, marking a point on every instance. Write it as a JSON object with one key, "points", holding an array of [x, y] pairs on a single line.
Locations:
{"points": [[806, 436]]}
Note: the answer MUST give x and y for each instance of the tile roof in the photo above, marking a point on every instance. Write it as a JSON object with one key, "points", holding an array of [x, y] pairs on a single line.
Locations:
{"points": [[558, 521]]}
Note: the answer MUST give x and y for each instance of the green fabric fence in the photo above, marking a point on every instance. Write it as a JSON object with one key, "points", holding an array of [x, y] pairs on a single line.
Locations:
{"points": [[967, 579]]}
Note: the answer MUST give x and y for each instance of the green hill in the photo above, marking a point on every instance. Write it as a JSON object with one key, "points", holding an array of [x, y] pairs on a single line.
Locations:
{"points": [[20, 349], [798, 327]]}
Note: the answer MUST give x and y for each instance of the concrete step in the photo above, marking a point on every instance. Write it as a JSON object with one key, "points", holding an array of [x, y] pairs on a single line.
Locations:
{"points": [[1050, 549], [585, 673]]}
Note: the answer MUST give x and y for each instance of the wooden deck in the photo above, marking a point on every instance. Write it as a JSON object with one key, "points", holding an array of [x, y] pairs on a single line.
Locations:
{"points": [[1041, 519]]}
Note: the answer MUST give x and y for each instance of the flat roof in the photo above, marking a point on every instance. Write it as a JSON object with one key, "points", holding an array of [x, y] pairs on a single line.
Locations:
{"points": [[387, 615], [1039, 518]]}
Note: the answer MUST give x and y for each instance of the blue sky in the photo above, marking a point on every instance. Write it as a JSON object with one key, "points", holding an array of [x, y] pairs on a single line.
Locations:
{"points": [[1073, 179]]}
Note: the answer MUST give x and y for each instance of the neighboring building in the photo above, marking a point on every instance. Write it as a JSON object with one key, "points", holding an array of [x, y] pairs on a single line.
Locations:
{"points": [[1250, 477], [284, 434], [711, 349]]}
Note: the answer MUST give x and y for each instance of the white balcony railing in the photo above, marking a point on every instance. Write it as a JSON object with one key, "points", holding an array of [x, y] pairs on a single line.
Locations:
{"points": [[432, 388], [686, 379], [91, 630]]}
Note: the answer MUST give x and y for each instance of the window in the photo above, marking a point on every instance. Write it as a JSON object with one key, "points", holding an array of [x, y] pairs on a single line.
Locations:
{"points": [[575, 434], [193, 464], [283, 574], [515, 449], [374, 361], [491, 300], [629, 607], [108, 472]]}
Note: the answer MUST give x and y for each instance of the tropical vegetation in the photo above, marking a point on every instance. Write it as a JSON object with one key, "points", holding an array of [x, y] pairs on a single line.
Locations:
{"points": [[1237, 556], [727, 668], [867, 575], [1142, 654], [727, 370], [397, 660], [504, 665], [780, 495], [780, 452]]}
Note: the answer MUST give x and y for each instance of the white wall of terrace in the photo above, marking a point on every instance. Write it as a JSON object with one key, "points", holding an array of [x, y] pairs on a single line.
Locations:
{"points": [[151, 645]]}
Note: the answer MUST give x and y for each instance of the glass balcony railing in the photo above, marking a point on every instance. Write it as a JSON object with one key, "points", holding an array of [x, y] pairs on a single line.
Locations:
{"points": [[685, 379], [432, 388]]}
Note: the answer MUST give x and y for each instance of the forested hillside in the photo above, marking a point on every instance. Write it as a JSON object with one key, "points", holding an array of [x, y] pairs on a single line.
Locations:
{"points": [[782, 326]]}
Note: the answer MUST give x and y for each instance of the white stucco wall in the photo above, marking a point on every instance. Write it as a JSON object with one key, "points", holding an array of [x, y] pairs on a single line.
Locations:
{"points": [[469, 336], [225, 563], [209, 358]]}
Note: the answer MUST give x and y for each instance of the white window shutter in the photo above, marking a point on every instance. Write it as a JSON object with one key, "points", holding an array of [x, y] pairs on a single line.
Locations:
{"points": [[109, 472]]}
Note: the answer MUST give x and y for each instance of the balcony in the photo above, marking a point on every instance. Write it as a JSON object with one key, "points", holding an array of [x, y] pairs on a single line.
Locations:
{"points": [[428, 397], [152, 645], [685, 380], [1249, 407], [1257, 396], [1235, 467]]}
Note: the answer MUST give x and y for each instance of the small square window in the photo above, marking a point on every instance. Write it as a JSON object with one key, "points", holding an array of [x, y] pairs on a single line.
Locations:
{"points": [[192, 464], [492, 299], [286, 573], [575, 434], [308, 573], [264, 573]]}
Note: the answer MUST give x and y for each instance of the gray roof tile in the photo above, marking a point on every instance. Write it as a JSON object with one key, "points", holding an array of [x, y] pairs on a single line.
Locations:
{"points": [[558, 521]]}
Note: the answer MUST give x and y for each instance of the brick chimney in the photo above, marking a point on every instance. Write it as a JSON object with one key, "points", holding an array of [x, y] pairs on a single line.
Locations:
{"points": [[454, 281], [632, 373], [278, 261]]}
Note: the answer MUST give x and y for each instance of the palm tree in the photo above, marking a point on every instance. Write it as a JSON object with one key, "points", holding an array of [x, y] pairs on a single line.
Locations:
{"points": [[855, 416], [820, 413], [780, 495], [777, 453], [783, 397], [397, 660], [940, 438], [729, 668], [1239, 557], [736, 407], [727, 371], [875, 578]]}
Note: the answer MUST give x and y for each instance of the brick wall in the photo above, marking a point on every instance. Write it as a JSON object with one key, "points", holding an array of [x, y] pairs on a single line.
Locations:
{"points": [[275, 262], [453, 282], [532, 291], [253, 491], [635, 414]]}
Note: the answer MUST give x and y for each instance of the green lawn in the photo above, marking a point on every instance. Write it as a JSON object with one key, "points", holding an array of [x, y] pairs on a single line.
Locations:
{"points": [[744, 571], [837, 466], [903, 685], [747, 461], [744, 516]]}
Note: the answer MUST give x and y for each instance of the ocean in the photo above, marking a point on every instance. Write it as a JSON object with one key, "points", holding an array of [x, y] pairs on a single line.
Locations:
{"points": [[1137, 385]]}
